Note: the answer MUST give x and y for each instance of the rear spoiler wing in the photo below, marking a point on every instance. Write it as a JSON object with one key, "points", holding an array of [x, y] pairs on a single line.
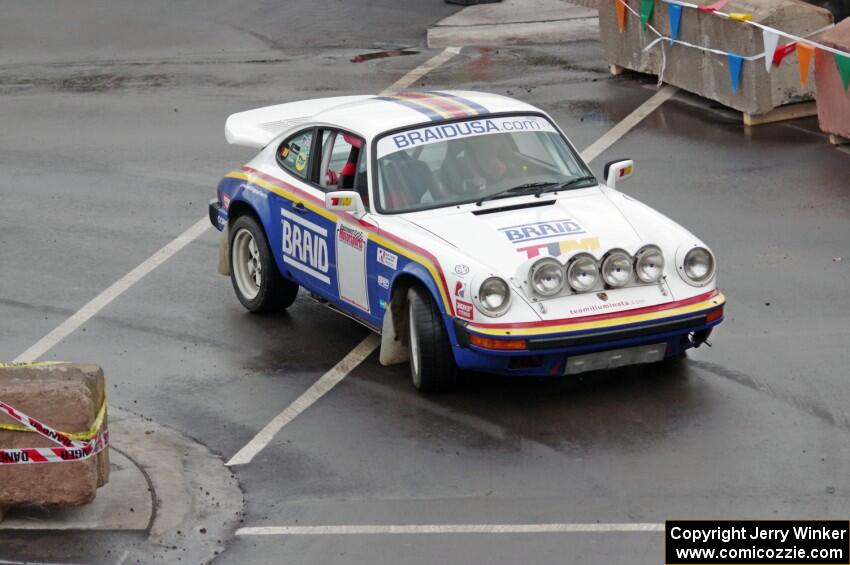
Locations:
{"points": [[256, 128]]}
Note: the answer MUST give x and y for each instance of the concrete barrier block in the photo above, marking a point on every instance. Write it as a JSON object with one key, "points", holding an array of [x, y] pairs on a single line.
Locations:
{"points": [[833, 100], [705, 73], [66, 397]]}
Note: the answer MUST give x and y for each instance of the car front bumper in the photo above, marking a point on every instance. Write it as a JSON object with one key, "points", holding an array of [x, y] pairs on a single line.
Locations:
{"points": [[546, 348], [218, 215]]}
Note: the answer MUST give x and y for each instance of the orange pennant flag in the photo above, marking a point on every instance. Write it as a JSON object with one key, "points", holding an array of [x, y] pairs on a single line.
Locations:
{"points": [[621, 14], [804, 57]]}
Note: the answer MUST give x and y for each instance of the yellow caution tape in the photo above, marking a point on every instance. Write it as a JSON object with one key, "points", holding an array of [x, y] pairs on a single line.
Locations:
{"points": [[81, 436], [737, 16]]}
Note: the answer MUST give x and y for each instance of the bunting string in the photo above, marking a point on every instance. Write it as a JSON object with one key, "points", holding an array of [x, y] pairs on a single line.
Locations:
{"points": [[772, 54], [743, 18]]}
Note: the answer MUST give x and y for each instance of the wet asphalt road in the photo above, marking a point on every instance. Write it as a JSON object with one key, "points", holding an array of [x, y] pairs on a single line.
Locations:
{"points": [[112, 144]]}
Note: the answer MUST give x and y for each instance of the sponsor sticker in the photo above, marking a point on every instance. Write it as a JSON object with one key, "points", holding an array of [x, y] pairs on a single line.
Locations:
{"points": [[460, 289], [464, 309], [560, 247], [607, 307], [305, 246], [524, 233], [383, 304], [254, 191], [383, 282], [461, 270], [387, 258], [351, 237], [341, 201], [301, 162], [225, 200]]}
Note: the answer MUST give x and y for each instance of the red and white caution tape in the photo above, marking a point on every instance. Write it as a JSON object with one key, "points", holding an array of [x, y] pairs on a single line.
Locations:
{"points": [[68, 450]]}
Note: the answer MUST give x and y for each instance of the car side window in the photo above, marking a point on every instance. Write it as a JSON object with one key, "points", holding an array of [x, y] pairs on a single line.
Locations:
{"points": [[294, 153], [339, 160]]}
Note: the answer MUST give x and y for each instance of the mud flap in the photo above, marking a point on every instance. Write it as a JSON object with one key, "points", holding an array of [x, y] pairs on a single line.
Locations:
{"points": [[224, 252], [393, 350]]}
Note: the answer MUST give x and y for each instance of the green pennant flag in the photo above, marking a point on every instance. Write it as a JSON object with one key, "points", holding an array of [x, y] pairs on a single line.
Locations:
{"points": [[646, 7], [843, 68]]}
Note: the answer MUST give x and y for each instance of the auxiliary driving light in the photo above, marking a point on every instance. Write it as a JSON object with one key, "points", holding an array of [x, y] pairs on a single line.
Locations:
{"points": [[547, 277], [649, 264], [617, 268], [582, 272]]}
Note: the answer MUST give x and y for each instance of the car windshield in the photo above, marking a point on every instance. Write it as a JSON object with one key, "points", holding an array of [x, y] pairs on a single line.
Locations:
{"points": [[474, 160]]}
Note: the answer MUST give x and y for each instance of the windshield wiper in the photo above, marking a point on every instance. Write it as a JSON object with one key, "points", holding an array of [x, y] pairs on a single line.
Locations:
{"points": [[539, 186], [568, 184]]}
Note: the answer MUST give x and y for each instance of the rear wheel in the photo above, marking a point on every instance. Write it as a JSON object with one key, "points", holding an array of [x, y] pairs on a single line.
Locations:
{"points": [[253, 272], [432, 364]]}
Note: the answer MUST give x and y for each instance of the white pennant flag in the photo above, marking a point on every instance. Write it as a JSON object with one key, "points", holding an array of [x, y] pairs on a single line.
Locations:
{"points": [[771, 39]]}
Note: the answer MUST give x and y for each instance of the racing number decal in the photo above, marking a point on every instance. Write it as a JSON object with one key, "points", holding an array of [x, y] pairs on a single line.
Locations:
{"points": [[351, 266], [305, 246]]}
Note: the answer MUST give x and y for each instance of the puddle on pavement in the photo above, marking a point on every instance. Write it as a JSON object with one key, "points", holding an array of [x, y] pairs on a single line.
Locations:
{"points": [[590, 110]]}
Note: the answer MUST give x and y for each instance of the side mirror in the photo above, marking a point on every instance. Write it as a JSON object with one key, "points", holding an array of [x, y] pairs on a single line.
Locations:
{"points": [[345, 201], [616, 171]]}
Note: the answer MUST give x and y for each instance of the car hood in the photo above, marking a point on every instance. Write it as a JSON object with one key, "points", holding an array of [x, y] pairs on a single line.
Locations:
{"points": [[502, 235]]}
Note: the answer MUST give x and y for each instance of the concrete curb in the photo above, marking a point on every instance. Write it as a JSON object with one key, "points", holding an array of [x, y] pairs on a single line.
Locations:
{"points": [[515, 22], [179, 496]]}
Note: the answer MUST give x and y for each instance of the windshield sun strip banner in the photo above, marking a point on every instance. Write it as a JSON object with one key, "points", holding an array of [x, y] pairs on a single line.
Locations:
{"points": [[421, 136]]}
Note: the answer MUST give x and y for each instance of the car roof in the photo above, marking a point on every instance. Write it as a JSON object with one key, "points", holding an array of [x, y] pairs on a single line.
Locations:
{"points": [[371, 116]]}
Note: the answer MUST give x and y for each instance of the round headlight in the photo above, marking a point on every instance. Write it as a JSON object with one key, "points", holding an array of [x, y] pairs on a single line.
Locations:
{"points": [[649, 264], [617, 268], [699, 264], [582, 272], [494, 296], [547, 277]]}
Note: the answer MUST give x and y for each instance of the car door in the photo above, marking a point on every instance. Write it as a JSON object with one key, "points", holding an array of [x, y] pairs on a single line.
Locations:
{"points": [[306, 236], [340, 155]]}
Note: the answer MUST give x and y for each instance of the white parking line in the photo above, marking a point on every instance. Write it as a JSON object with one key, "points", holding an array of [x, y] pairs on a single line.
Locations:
{"points": [[117, 288], [449, 529], [320, 388], [629, 122], [422, 70]]}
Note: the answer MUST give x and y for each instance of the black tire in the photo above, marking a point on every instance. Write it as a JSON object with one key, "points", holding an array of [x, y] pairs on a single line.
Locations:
{"points": [[432, 363], [267, 290]]}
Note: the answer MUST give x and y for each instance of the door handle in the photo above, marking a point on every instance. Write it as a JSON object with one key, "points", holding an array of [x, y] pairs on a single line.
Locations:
{"points": [[299, 207]]}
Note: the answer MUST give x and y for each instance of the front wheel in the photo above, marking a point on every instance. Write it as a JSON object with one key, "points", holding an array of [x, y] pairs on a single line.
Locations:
{"points": [[432, 364], [253, 272]]}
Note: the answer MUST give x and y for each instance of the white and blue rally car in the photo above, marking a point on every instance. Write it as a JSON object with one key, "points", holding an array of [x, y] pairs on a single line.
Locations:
{"points": [[465, 229]]}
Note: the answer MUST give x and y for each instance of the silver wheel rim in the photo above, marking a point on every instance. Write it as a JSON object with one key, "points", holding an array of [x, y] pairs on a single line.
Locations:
{"points": [[247, 270], [414, 346]]}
